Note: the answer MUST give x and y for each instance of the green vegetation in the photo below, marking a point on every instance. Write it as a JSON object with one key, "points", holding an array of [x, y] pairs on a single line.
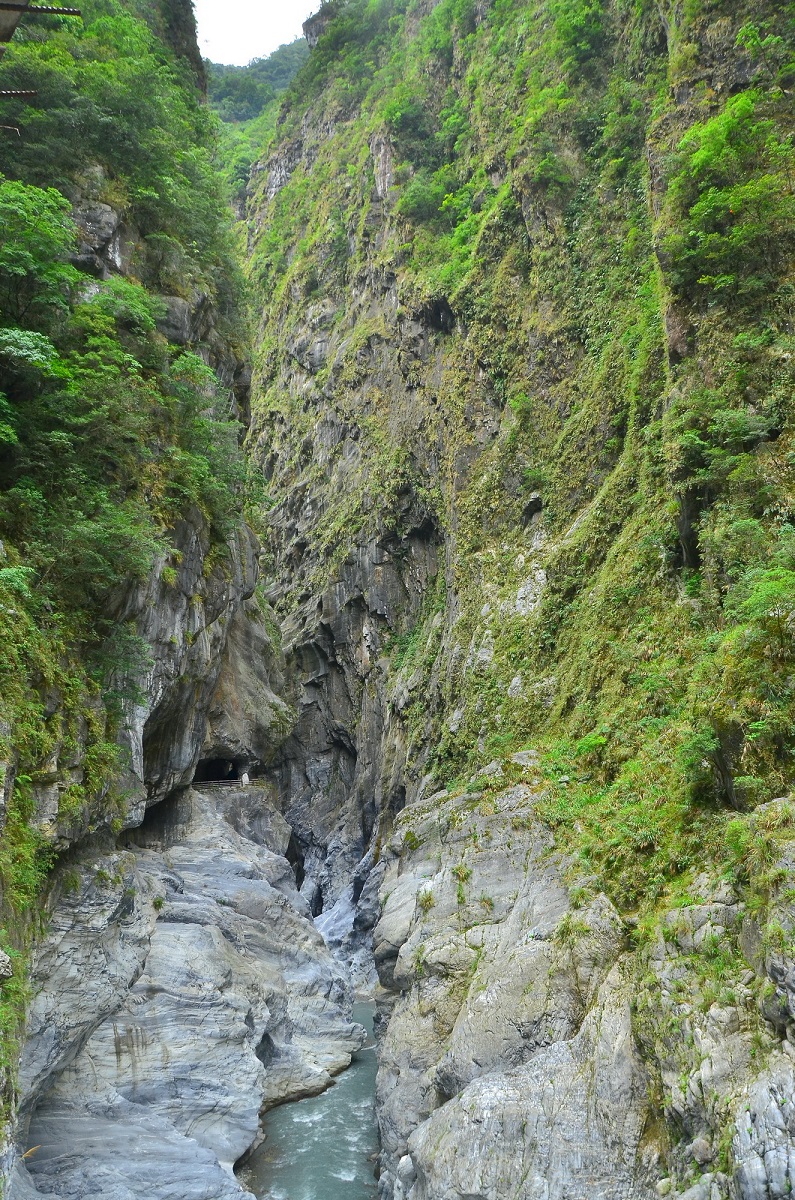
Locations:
{"points": [[110, 96], [733, 201], [411, 841], [248, 99], [527, 277], [242, 93], [610, 271], [108, 435]]}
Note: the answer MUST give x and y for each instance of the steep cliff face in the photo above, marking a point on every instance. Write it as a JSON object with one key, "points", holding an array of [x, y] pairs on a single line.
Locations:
{"points": [[523, 410], [128, 575], [505, 998]]}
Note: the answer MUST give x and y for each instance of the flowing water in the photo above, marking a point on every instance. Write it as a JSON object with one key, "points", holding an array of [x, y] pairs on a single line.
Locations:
{"points": [[322, 1148]]}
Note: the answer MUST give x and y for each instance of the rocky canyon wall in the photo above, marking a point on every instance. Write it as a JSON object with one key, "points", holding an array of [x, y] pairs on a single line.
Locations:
{"points": [[508, 654], [182, 992], [506, 326]]}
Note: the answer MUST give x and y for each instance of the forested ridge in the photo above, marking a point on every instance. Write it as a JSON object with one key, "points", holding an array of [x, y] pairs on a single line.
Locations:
{"points": [[241, 93], [248, 101]]}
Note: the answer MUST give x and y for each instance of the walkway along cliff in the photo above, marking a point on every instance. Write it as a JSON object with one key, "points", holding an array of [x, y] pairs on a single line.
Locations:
{"points": [[505, 646]]}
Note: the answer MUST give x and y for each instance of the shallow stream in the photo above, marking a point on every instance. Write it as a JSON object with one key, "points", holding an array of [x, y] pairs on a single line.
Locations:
{"points": [[323, 1148]]}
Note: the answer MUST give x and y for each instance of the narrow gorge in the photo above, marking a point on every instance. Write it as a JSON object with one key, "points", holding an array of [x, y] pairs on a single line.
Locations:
{"points": [[397, 596]]}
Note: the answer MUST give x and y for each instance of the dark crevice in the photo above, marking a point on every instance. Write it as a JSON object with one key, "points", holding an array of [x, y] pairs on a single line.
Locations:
{"points": [[358, 887], [266, 1050], [691, 505], [295, 857], [438, 315], [397, 799], [532, 508], [316, 901]]}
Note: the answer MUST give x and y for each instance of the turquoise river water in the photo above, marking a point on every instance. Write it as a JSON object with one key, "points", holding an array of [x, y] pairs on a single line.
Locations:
{"points": [[323, 1148]]}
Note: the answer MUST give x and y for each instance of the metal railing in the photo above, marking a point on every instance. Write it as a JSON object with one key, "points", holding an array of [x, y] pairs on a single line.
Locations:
{"points": [[11, 13], [220, 783]]}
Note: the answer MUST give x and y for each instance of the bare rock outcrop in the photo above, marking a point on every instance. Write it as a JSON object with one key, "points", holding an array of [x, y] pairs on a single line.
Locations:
{"points": [[535, 1046], [182, 991], [509, 1066]]}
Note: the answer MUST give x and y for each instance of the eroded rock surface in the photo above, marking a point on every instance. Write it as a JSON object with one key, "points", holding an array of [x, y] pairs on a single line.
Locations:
{"points": [[509, 1066], [186, 623], [567, 1123], [183, 991], [536, 1049]]}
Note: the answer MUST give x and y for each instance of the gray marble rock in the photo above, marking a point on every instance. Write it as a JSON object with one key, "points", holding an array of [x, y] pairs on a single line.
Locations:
{"points": [[764, 1140], [97, 943], [183, 990], [181, 615], [568, 1124], [246, 718], [186, 625], [721, 1069], [119, 1155], [508, 1068]]}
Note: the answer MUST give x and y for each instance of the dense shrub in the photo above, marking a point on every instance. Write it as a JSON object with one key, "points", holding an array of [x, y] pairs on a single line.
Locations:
{"points": [[109, 94], [734, 201]]}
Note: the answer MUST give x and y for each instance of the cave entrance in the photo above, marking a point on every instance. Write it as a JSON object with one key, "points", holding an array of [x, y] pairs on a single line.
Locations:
{"points": [[216, 770]]}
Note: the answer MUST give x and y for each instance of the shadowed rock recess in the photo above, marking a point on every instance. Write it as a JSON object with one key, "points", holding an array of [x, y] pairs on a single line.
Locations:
{"points": [[478, 697]]}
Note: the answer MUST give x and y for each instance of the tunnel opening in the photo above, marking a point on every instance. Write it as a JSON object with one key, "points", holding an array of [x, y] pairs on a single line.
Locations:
{"points": [[216, 770]]}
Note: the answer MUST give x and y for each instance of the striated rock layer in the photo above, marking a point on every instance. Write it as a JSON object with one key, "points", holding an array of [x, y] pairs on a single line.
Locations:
{"points": [[183, 991], [530, 1051], [509, 1067]]}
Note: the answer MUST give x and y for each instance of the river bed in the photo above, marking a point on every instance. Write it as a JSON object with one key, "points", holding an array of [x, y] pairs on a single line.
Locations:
{"points": [[323, 1148]]}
